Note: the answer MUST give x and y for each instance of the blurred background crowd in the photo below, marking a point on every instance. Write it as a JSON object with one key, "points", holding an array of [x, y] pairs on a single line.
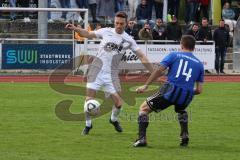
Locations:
{"points": [[148, 19], [140, 10]]}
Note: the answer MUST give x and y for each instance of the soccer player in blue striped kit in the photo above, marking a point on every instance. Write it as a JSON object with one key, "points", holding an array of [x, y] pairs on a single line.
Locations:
{"points": [[184, 80]]}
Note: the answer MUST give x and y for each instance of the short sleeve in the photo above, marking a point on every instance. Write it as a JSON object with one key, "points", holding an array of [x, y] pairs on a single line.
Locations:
{"points": [[100, 32], [168, 60], [134, 46]]}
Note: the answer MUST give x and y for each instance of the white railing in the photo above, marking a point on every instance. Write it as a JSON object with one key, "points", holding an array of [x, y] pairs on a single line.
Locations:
{"points": [[25, 39], [18, 9]]}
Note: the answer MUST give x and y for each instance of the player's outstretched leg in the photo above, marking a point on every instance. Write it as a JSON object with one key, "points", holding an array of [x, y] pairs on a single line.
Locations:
{"points": [[183, 121], [88, 126], [143, 121], [142, 129], [114, 118]]}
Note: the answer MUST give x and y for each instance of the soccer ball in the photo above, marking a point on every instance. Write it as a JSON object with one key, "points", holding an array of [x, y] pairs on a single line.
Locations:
{"points": [[92, 106]]}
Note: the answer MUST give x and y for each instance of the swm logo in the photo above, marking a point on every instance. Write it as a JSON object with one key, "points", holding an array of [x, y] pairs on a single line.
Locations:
{"points": [[22, 56]]}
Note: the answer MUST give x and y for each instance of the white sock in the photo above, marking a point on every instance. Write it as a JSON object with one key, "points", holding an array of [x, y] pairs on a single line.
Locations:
{"points": [[88, 119], [115, 112]]}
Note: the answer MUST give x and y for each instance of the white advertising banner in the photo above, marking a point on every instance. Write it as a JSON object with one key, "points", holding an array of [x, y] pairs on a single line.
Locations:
{"points": [[130, 57], [205, 53], [92, 49], [156, 52]]}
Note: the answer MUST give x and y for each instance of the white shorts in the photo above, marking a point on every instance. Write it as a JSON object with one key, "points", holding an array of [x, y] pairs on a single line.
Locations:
{"points": [[105, 81]]}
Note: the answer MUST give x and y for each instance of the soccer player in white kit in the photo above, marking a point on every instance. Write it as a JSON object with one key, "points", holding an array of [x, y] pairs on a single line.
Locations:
{"points": [[103, 72]]}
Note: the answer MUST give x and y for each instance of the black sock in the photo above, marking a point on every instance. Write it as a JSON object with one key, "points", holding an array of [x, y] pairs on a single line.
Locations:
{"points": [[143, 124], [183, 121]]}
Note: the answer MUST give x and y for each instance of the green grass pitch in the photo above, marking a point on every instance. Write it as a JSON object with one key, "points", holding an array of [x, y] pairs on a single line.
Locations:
{"points": [[30, 129]]}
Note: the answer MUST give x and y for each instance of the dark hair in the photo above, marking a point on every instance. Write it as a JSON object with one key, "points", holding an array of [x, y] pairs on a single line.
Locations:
{"points": [[132, 19], [194, 24], [188, 42], [204, 18], [121, 14]]}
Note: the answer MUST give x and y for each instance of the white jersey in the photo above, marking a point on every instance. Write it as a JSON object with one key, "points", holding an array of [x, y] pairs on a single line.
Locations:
{"points": [[112, 48], [103, 72]]}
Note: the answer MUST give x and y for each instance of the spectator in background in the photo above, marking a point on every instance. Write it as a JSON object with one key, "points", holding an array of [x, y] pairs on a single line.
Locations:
{"points": [[12, 3], [25, 4], [93, 9], [145, 33], [143, 15], [228, 15], [158, 8], [173, 7], [49, 13], [221, 38], [187, 12], [132, 29], [150, 4], [236, 7], [159, 30], [224, 1], [191, 10], [119, 5], [174, 30], [204, 4], [205, 32], [106, 10], [83, 4], [64, 4], [132, 4], [194, 31]]}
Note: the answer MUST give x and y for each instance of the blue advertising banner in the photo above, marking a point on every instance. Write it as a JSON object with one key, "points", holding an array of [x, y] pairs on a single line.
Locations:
{"points": [[36, 56]]}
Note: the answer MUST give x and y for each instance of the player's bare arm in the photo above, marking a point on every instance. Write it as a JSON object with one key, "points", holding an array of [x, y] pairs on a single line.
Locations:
{"points": [[144, 60], [155, 74], [198, 89], [81, 31]]}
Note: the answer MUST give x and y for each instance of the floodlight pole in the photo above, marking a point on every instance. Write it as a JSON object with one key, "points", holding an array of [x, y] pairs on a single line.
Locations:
{"points": [[42, 21]]}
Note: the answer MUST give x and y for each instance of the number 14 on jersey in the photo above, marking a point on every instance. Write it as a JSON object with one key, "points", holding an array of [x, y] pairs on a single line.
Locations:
{"points": [[182, 69]]}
